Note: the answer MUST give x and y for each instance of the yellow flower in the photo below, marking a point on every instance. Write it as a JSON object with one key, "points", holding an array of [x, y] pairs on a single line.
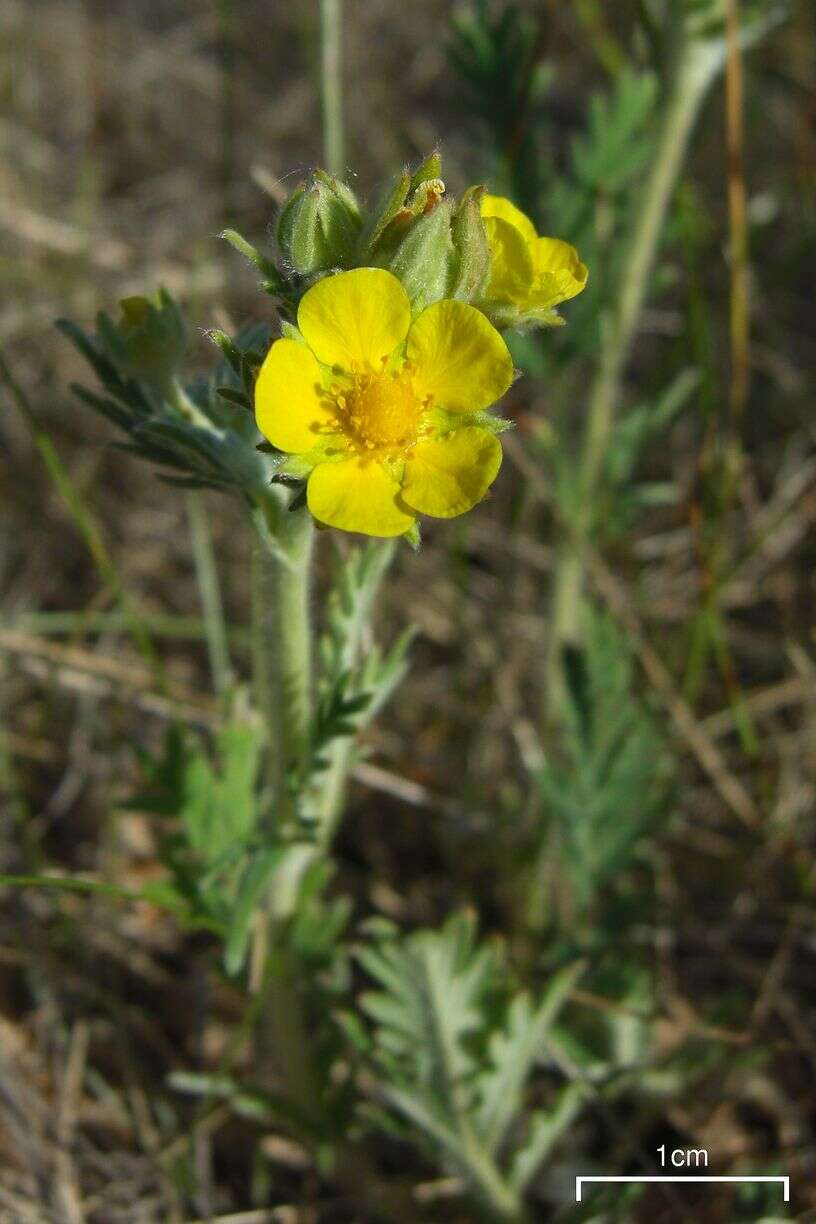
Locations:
{"points": [[384, 415], [530, 272]]}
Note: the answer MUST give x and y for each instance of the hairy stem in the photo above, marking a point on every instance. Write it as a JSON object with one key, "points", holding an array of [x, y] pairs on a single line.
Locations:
{"points": [[502, 1201], [335, 779], [282, 636], [282, 653], [293, 644], [331, 84]]}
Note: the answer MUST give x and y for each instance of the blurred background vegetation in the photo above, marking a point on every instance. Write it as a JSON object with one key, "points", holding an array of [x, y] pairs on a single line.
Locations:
{"points": [[634, 787]]}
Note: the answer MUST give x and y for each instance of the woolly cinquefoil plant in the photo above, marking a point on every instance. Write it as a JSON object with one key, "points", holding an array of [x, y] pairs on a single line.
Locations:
{"points": [[363, 401]]}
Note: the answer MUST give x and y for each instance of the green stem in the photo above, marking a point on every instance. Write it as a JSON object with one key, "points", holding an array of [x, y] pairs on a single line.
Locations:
{"points": [[334, 781], [293, 639], [176, 395], [282, 644], [158, 624], [262, 637], [691, 81], [282, 636], [285, 1039], [331, 84], [282, 649], [502, 1201], [333, 794], [209, 590], [227, 29]]}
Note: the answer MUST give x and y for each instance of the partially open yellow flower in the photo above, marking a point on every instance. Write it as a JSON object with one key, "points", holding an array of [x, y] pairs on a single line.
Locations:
{"points": [[530, 272], [384, 415]]}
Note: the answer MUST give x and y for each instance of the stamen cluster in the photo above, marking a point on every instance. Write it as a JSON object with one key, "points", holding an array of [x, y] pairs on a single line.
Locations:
{"points": [[378, 410]]}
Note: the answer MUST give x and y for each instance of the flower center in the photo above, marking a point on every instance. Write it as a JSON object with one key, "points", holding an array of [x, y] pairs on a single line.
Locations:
{"points": [[379, 411]]}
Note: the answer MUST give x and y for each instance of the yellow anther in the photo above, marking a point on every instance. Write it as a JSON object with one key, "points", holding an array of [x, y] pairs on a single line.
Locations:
{"points": [[379, 411]]}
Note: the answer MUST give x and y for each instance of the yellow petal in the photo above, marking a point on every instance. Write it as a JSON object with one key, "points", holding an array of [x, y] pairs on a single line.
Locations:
{"points": [[289, 405], [559, 273], [460, 358], [355, 317], [511, 263], [499, 206], [357, 495], [446, 476]]}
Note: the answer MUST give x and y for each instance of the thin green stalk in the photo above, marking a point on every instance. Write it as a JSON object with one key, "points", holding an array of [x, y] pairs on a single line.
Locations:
{"points": [[100, 887], [84, 522], [503, 1202], [285, 1039], [689, 87], [604, 43], [282, 646], [227, 29], [86, 621], [209, 590], [293, 639], [331, 84], [333, 793], [740, 318], [334, 781], [713, 541], [262, 636], [282, 636]]}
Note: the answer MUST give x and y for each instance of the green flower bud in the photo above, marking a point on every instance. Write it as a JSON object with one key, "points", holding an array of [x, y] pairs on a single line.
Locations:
{"points": [[437, 250], [150, 339], [419, 250], [319, 226], [287, 216], [408, 198], [423, 200], [470, 266]]}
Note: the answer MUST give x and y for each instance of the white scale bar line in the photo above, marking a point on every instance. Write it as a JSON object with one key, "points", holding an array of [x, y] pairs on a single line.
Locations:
{"points": [[785, 1181]]}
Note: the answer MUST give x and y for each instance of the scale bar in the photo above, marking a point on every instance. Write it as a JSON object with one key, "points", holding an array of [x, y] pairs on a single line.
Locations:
{"points": [[785, 1181]]}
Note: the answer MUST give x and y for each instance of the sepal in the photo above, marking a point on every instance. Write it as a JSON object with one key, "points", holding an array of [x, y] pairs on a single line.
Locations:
{"points": [[273, 283], [413, 536], [392, 202], [506, 316], [430, 168]]}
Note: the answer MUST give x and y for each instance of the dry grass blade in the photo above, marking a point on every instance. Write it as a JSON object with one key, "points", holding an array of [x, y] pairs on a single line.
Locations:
{"points": [[738, 216], [82, 670], [688, 727], [67, 1191]]}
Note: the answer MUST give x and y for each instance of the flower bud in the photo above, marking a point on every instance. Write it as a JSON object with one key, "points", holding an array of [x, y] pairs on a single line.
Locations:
{"points": [[470, 266], [420, 201], [150, 339], [319, 226], [419, 251]]}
